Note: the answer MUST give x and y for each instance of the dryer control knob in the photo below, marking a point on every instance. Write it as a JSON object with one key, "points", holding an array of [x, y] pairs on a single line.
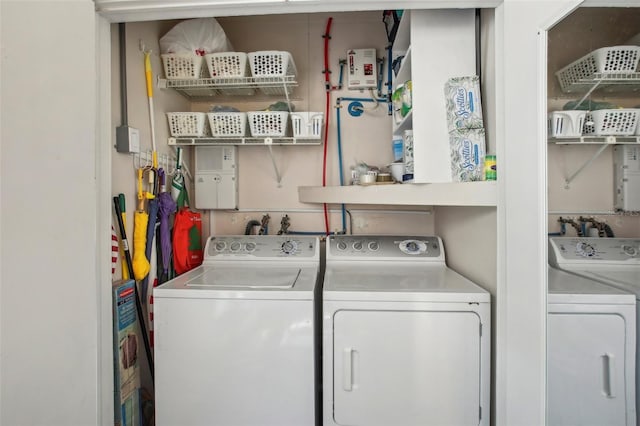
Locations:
{"points": [[250, 247], [235, 246], [373, 245], [221, 245], [357, 245], [341, 245], [289, 247]]}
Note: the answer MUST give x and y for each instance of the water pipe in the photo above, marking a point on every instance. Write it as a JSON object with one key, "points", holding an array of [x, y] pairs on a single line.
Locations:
{"points": [[389, 79], [342, 206], [327, 83]]}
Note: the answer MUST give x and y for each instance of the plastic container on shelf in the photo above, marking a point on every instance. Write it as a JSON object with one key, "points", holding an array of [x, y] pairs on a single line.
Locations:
{"points": [[565, 124], [306, 125], [227, 64], [179, 66], [187, 124], [228, 124], [611, 122], [268, 123], [271, 63], [608, 60]]}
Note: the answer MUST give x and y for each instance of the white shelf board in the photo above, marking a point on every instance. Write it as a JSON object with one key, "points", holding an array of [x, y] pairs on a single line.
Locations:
{"points": [[410, 194]]}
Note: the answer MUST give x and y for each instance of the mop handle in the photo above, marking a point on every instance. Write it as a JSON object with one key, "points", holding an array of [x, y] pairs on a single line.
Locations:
{"points": [[149, 79], [143, 327]]}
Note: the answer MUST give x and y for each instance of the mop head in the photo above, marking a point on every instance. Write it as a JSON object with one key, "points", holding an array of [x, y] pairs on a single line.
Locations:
{"points": [[140, 265]]}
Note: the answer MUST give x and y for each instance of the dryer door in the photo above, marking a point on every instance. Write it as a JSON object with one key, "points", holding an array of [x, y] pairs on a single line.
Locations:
{"points": [[406, 368], [586, 369]]}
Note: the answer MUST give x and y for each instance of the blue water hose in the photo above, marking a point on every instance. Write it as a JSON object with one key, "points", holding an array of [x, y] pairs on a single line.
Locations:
{"points": [[342, 207]]}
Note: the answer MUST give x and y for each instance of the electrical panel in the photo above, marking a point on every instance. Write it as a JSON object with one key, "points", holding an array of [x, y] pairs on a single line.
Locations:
{"points": [[626, 166], [362, 69], [216, 177]]}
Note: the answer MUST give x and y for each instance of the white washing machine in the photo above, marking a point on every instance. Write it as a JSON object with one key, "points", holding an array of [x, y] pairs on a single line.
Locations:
{"points": [[591, 341], [612, 261], [234, 337], [406, 340]]}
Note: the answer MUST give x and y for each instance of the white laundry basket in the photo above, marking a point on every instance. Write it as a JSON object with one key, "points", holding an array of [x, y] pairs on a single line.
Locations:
{"points": [[228, 124], [611, 122], [227, 64], [614, 59], [268, 123], [187, 124], [271, 63], [306, 125], [178, 66], [565, 124]]}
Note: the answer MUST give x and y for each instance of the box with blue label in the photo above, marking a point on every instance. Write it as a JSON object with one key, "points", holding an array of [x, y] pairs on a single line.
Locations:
{"points": [[126, 368], [464, 109], [467, 155]]}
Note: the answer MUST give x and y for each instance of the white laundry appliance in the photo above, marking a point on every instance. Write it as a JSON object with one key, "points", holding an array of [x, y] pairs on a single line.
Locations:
{"points": [[234, 337], [591, 341], [406, 340], [612, 261]]}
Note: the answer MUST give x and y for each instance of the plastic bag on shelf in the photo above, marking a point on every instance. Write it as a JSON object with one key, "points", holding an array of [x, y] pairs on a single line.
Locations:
{"points": [[200, 36]]}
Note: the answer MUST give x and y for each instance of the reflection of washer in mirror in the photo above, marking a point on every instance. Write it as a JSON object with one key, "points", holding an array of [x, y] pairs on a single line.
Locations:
{"points": [[413, 247]]}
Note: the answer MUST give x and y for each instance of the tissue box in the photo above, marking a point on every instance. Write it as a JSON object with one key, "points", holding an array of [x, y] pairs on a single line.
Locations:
{"points": [[464, 109], [467, 154]]}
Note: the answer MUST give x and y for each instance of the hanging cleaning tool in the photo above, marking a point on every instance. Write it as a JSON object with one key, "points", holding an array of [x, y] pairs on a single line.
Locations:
{"points": [[149, 79], [166, 206], [127, 253], [178, 192], [141, 264], [123, 262]]}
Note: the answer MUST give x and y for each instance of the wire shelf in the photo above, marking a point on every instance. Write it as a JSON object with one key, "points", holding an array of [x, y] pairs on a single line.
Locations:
{"points": [[246, 86], [246, 141], [607, 82]]}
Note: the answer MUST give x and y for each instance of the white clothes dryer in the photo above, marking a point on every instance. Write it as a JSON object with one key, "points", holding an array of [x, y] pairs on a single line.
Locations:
{"points": [[234, 337], [406, 340], [591, 341], [612, 261]]}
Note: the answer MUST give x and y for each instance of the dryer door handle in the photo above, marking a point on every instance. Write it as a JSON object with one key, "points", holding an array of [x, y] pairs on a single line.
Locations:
{"points": [[609, 374], [347, 369]]}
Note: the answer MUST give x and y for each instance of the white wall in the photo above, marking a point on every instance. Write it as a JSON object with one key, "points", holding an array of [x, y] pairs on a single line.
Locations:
{"points": [[49, 297], [367, 138]]}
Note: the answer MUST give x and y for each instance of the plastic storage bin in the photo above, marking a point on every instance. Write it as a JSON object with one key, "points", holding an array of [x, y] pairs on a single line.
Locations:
{"points": [[268, 63], [178, 66], [188, 124], [227, 64], [565, 124], [611, 122], [268, 123], [306, 125], [614, 59], [227, 124]]}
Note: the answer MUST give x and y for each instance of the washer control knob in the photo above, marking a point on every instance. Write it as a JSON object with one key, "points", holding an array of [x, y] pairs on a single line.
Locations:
{"points": [[221, 245], [250, 247], [289, 247], [629, 250], [342, 246], [357, 245], [585, 250], [235, 246], [373, 245]]}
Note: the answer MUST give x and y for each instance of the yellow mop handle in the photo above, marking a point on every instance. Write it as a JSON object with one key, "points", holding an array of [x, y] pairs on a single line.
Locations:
{"points": [[147, 73], [149, 78]]}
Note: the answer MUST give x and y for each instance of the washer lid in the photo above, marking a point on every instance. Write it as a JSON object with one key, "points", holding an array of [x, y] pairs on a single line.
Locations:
{"points": [[246, 282], [567, 288], [250, 278], [367, 281]]}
